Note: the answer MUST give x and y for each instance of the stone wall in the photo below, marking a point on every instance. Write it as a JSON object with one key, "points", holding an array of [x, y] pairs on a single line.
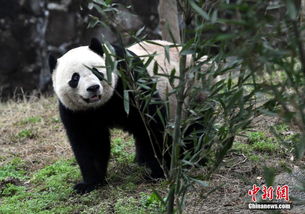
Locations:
{"points": [[22, 26], [31, 29]]}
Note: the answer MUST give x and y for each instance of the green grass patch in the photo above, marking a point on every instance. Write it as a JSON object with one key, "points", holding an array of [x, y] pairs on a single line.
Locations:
{"points": [[258, 142], [49, 191], [12, 189], [32, 185], [255, 158], [265, 146], [145, 204], [285, 135], [281, 127], [14, 169], [30, 120], [242, 147], [120, 150], [25, 134], [58, 175]]}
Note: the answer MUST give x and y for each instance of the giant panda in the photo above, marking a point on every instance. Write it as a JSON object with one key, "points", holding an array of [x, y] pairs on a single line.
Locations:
{"points": [[91, 103]]}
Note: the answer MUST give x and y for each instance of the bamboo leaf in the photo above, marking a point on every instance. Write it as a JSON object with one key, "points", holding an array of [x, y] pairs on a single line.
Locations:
{"points": [[99, 75], [300, 147], [158, 196], [214, 16], [199, 10], [291, 10], [150, 59], [269, 175], [155, 69], [200, 182], [126, 102], [166, 50]]}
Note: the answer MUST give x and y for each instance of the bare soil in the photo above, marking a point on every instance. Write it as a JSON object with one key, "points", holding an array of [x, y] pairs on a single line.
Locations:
{"points": [[32, 131]]}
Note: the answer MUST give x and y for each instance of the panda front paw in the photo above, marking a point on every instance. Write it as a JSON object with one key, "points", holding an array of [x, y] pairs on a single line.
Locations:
{"points": [[82, 188]]}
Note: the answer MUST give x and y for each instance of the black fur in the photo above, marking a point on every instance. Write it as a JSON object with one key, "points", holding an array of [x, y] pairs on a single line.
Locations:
{"points": [[89, 134], [74, 80], [96, 47]]}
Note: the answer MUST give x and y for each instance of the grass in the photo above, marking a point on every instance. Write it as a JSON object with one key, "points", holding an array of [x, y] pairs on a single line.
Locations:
{"points": [[30, 120], [48, 190], [13, 169], [38, 170], [263, 149], [121, 147], [47, 187], [258, 141]]}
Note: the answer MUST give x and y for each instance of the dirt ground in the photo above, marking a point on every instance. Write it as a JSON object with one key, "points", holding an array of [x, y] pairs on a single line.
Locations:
{"points": [[44, 142]]}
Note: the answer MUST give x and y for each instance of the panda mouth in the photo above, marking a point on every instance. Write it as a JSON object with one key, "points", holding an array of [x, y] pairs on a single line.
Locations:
{"points": [[93, 99]]}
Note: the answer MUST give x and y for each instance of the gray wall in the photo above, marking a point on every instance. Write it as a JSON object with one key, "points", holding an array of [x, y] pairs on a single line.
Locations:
{"points": [[31, 29]]}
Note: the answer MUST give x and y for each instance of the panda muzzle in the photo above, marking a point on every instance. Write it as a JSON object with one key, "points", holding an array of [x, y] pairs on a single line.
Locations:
{"points": [[92, 99]]}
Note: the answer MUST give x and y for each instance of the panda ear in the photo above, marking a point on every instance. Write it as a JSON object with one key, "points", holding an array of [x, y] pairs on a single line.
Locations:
{"points": [[52, 63], [96, 46]]}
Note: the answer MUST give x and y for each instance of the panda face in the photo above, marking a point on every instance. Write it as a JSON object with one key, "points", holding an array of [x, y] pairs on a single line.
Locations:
{"points": [[76, 85]]}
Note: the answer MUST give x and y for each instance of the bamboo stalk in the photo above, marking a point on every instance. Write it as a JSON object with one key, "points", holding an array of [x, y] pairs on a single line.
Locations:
{"points": [[174, 172]]}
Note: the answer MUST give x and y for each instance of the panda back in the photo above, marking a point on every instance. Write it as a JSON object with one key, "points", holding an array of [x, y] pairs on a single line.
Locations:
{"points": [[165, 67]]}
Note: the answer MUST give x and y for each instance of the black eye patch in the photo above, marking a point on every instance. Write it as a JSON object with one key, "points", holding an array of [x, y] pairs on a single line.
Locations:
{"points": [[74, 80], [98, 74]]}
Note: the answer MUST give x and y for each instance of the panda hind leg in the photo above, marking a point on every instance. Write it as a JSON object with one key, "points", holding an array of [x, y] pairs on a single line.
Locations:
{"points": [[193, 147], [149, 154]]}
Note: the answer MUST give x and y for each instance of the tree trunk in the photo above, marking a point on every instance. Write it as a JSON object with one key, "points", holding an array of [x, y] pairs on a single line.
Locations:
{"points": [[302, 4], [169, 24]]}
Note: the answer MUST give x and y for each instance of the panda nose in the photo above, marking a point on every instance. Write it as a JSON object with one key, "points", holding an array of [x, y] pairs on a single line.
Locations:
{"points": [[93, 88]]}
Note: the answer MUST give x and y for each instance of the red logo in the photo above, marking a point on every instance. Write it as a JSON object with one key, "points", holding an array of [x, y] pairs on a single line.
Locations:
{"points": [[282, 192], [253, 192], [267, 193]]}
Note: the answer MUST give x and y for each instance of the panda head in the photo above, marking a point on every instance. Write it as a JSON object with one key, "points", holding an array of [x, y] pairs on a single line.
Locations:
{"points": [[79, 77]]}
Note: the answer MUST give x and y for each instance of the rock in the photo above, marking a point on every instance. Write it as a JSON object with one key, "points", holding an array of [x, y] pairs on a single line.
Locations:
{"points": [[31, 29], [294, 181], [19, 44], [9, 9], [61, 28], [35, 7]]}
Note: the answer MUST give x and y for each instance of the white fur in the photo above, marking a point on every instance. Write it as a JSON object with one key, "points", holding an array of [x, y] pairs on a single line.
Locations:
{"points": [[165, 66], [75, 61]]}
